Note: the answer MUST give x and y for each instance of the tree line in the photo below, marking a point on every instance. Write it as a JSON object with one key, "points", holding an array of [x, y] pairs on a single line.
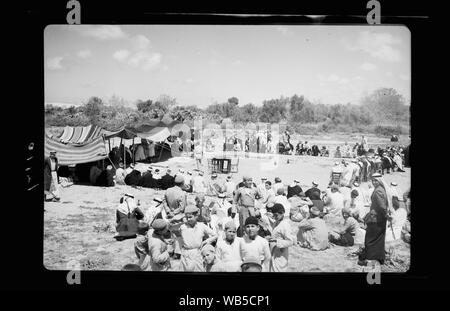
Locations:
{"points": [[383, 112]]}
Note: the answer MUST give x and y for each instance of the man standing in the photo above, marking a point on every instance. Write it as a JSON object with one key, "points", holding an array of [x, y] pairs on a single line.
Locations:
{"points": [[280, 240], [253, 245], [175, 198], [51, 178], [158, 247], [245, 200], [228, 249], [192, 233]]}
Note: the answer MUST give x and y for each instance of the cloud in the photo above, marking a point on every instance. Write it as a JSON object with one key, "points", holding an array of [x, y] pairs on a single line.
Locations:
{"points": [[54, 63], [237, 62], [334, 78], [103, 32], [145, 60], [405, 77], [84, 54], [368, 67], [377, 45], [389, 74], [141, 42], [121, 55], [140, 55], [189, 80]]}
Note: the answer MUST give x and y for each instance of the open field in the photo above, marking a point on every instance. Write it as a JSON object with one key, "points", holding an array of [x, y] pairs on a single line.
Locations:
{"points": [[82, 225]]}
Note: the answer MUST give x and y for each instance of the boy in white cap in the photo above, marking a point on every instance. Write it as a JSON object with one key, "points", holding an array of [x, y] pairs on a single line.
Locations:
{"points": [[280, 240], [253, 245], [228, 248], [192, 233]]}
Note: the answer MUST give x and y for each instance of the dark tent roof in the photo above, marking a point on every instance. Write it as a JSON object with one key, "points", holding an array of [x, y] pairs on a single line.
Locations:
{"points": [[122, 133]]}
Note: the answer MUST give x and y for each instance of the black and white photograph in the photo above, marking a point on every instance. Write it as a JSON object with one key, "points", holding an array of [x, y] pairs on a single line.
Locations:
{"points": [[227, 148]]}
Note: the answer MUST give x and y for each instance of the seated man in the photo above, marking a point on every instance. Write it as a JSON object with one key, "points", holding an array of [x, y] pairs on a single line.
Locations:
{"points": [[345, 237], [280, 198], [334, 201], [300, 206], [313, 232], [313, 193], [398, 220], [356, 206], [120, 175], [106, 178]]}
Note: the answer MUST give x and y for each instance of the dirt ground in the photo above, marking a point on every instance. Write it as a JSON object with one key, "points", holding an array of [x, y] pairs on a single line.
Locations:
{"points": [[82, 225]]}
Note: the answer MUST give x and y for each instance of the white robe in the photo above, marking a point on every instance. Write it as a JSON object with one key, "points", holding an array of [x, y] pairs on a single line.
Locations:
{"points": [[280, 249]]}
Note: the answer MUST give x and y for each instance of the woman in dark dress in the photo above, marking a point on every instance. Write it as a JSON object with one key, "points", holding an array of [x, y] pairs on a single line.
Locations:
{"points": [[376, 220]]}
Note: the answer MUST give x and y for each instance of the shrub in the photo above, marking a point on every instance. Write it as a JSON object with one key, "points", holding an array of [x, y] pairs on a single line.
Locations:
{"points": [[387, 130]]}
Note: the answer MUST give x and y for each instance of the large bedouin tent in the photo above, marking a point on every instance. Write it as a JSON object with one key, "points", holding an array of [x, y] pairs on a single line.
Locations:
{"points": [[85, 144]]}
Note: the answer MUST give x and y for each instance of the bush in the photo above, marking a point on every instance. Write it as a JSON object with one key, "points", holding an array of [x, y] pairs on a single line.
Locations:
{"points": [[388, 130]]}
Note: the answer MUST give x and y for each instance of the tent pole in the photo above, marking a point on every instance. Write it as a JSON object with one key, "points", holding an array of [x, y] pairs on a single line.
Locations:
{"points": [[111, 163], [134, 152], [109, 144]]}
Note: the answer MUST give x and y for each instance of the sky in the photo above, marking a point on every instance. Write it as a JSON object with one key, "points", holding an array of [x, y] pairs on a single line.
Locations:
{"points": [[203, 64]]}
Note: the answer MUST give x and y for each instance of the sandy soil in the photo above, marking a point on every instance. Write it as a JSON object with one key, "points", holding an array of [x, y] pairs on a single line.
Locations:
{"points": [[82, 225]]}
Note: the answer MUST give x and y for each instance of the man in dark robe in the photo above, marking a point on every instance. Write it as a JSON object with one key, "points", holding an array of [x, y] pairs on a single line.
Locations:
{"points": [[167, 181], [376, 221], [134, 178], [106, 178], [294, 189], [147, 180], [313, 193]]}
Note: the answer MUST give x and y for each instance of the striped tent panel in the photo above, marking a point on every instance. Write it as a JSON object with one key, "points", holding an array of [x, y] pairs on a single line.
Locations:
{"points": [[71, 154], [80, 134], [96, 132], [85, 133], [78, 131], [67, 134]]}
